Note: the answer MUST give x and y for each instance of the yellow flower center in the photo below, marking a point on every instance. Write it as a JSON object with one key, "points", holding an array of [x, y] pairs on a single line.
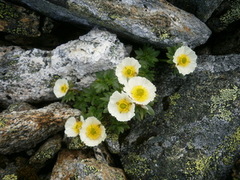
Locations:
{"points": [[124, 105], [64, 88], [140, 93], [129, 71], [94, 131], [183, 60], [77, 126]]}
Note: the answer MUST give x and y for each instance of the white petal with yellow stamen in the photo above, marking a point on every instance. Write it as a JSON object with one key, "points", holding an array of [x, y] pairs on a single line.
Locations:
{"points": [[60, 88], [92, 132], [141, 90], [121, 106], [73, 127], [127, 69], [185, 60]]}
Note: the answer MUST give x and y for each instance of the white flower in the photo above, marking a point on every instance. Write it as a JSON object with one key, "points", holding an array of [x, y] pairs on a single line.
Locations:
{"points": [[127, 69], [121, 106], [185, 60], [60, 88], [92, 132], [73, 127], [141, 90]]}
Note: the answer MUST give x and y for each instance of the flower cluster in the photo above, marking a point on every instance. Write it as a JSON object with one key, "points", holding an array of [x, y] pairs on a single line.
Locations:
{"points": [[118, 96], [90, 130], [136, 91]]}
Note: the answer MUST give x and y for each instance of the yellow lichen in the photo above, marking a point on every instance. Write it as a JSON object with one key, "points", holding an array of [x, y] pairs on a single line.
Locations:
{"points": [[138, 167], [220, 103], [173, 98], [10, 177]]}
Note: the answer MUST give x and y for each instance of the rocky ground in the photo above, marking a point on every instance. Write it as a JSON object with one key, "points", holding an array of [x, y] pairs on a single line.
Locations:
{"points": [[195, 133]]}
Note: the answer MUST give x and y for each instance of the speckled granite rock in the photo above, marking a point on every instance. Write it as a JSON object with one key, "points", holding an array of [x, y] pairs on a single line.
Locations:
{"points": [[195, 133], [156, 22], [29, 75], [74, 164], [22, 130]]}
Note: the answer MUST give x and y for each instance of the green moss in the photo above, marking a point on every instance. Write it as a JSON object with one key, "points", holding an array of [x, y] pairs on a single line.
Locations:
{"points": [[138, 166], [10, 177], [219, 103]]}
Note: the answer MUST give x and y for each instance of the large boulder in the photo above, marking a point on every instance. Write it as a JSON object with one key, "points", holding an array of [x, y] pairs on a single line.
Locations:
{"points": [[29, 75], [195, 133], [156, 22]]}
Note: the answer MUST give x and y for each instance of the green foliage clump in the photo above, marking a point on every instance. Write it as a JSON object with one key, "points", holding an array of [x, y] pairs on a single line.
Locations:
{"points": [[147, 57]]}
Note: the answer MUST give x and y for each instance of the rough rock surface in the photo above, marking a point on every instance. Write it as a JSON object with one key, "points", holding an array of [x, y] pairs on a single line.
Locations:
{"points": [[202, 9], [29, 75], [73, 164], [22, 130], [18, 20], [156, 22], [228, 13], [195, 133], [46, 152]]}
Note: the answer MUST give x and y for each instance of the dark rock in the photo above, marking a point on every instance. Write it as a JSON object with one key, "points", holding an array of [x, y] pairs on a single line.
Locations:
{"points": [[156, 22], [22, 130], [46, 152], [202, 9], [195, 133], [227, 14], [18, 20]]}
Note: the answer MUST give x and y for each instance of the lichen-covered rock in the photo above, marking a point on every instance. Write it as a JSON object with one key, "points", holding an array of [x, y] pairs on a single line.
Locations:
{"points": [[195, 133], [29, 75], [18, 20], [202, 9], [46, 152], [76, 165], [156, 22], [22, 130], [227, 14]]}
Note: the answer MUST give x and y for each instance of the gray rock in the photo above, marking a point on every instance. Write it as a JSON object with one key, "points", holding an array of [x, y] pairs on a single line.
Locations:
{"points": [[76, 165], [29, 75], [195, 132], [156, 22], [202, 9], [22, 130]]}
